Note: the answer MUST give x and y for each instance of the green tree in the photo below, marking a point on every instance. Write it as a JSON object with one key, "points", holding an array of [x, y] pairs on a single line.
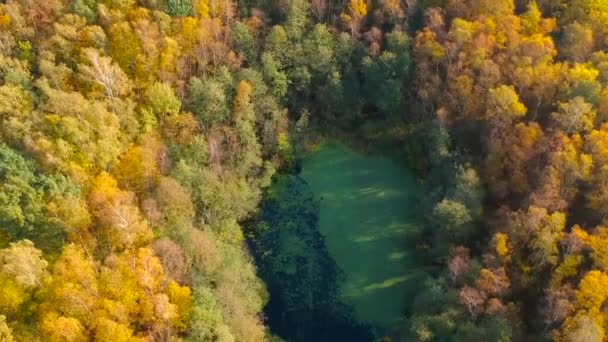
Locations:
{"points": [[207, 100]]}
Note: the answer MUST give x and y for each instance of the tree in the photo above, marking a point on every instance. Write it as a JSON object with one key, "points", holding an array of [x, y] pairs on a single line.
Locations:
{"points": [[160, 99], [121, 223], [578, 42], [22, 205], [274, 76], [107, 330], [581, 327], [531, 19], [124, 46], [22, 272], [207, 100], [558, 305], [592, 293], [472, 300], [500, 241], [457, 267], [175, 203], [60, 328], [102, 71], [598, 242], [594, 12], [172, 259], [23, 263], [245, 42], [582, 81], [546, 237], [137, 169], [453, 218], [575, 116], [357, 10], [247, 156], [493, 282], [74, 291], [468, 190], [594, 144], [504, 105], [319, 9], [178, 8]]}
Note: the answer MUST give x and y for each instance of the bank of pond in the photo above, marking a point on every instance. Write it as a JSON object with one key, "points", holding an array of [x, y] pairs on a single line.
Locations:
{"points": [[331, 243]]}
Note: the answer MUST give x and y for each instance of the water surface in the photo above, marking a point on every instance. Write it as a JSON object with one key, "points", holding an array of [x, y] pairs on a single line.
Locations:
{"points": [[366, 210]]}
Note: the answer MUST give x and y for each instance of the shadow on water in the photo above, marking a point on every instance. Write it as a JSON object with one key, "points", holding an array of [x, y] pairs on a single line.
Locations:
{"points": [[301, 276], [331, 245]]}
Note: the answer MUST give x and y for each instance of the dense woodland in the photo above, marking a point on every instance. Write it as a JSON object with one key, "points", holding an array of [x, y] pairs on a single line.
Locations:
{"points": [[138, 135]]}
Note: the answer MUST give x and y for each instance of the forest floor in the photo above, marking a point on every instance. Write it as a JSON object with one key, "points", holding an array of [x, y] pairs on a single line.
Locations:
{"points": [[367, 206]]}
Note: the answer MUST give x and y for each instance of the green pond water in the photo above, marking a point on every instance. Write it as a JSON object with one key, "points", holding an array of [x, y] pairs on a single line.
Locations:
{"points": [[367, 207]]}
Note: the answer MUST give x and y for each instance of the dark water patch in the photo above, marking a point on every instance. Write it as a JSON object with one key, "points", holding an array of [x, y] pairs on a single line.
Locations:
{"points": [[301, 276]]}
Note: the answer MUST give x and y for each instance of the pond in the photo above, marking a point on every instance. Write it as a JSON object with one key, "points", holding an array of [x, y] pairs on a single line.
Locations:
{"points": [[366, 212], [331, 245]]}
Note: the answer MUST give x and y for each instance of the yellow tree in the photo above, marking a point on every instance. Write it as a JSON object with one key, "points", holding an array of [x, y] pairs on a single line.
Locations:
{"points": [[598, 243], [137, 169], [592, 291], [353, 18], [73, 293], [22, 271], [120, 221]]}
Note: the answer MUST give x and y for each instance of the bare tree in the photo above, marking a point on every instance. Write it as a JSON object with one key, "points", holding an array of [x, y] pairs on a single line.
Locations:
{"points": [[102, 71], [472, 300], [558, 304], [457, 266]]}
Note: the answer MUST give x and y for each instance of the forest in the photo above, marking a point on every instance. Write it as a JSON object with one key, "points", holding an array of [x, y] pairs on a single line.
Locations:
{"points": [[142, 143]]}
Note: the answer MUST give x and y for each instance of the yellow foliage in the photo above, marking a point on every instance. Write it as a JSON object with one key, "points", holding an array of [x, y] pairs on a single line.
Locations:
{"points": [[59, 329], [182, 297], [580, 233], [587, 326], [103, 186], [528, 134], [189, 33], [582, 72], [345, 18], [137, 169], [11, 295], [5, 21], [592, 291], [119, 287], [597, 144], [107, 330], [571, 159], [358, 8], [530, 20], [169, 54], [501, 244], [598, 242], [242, 97], [504, 103], [148, 270], [202, 8], [393, 8]]}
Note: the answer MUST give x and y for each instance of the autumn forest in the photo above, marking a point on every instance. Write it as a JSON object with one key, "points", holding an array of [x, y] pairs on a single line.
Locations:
{"points": [[157, 158]]}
